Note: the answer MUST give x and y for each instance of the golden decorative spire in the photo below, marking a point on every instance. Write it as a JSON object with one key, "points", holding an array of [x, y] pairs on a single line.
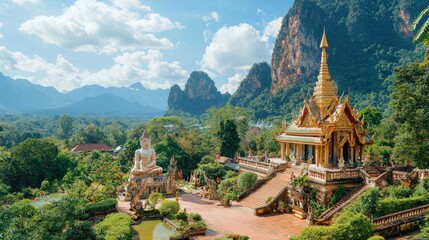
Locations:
{"points": [[325, 91]]}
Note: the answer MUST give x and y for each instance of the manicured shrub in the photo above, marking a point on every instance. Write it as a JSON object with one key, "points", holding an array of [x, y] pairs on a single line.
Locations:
{"points": [[103, 205], [376, 238], [169, 208], [116, 226], [228, 186], [154, 198], [397, 191], [182, 216], [392, 205], [198, 225], [314, 233], [352, 226], [422, 188], [233, 236], [196, 217], [245, 180]]}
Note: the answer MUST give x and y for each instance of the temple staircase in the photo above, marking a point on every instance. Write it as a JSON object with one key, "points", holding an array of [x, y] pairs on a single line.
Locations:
{"points": [[326, 216], [273, 188]]}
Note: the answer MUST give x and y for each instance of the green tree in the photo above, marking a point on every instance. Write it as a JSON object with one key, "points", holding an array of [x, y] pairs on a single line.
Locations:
{"points": [[410, 104], [230, 140], [372, 118], [169, 208], [241, 116], [159, 127], [368, 202], [168, 148], [246, 180], [422, 35], [65, 126], [154, 198], [116, 226], [33, 161], [126, 155]]}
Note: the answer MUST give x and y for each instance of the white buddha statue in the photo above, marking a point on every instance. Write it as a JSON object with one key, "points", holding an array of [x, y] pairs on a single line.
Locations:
{"points": [[145, 159]]}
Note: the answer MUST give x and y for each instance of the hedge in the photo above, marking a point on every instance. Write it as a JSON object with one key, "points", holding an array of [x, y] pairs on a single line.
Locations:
{"points": [[392, 205], [103, 205], [116, 226]]}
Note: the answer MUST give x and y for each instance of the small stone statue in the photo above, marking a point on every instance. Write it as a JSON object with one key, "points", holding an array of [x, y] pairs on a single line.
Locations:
{"points": [[145, 159]]}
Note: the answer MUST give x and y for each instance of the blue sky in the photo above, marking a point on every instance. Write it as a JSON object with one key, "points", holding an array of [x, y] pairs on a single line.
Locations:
{"points": [[69, 44]]}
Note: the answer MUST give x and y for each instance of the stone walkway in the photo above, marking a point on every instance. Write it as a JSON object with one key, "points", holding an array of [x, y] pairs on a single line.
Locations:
{"points": [[237, 219]]}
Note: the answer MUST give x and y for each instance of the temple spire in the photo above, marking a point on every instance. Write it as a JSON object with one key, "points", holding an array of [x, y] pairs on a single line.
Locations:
{"points": [[325, 90]]}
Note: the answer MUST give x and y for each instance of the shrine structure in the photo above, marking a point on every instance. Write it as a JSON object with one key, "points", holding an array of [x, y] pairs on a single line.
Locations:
{"points": [[327, 138]]}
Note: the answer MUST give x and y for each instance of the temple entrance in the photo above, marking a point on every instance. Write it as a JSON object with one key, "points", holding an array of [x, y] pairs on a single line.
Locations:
{"points": [[346, 151]]}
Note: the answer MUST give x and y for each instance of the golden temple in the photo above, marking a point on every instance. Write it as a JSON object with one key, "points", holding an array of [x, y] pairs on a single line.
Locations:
{"points": [[327, 133]]}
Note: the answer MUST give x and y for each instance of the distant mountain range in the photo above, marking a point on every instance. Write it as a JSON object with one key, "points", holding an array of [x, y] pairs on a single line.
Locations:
{"points": [[22, 96]]}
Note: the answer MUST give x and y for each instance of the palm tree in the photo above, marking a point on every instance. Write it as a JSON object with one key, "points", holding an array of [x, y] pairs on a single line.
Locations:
{"points": [[422, 35]]}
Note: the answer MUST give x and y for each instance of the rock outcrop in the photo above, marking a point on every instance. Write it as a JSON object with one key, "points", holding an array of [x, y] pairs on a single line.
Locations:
{"points": [[199, 95], [366, 38], [257, 80]]}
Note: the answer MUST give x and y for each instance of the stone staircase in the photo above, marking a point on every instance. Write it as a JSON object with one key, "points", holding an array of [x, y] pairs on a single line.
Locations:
{"points": [[272, 188], [327, 215]]}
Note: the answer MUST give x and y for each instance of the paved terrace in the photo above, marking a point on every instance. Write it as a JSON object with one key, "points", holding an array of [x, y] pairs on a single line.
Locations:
{"points": [[237, 219]]}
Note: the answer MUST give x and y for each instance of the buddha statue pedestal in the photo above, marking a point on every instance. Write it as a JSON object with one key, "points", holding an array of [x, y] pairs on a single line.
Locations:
{"points": [[146, 177]]}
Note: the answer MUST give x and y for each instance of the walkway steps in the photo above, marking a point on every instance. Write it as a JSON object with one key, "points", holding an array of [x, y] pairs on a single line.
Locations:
{"points": [[327, 215], [271, 189]]}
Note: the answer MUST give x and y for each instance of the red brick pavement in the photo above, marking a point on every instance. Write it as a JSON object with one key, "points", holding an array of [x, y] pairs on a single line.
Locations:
{"points": [[241, 220], [236, 219]]}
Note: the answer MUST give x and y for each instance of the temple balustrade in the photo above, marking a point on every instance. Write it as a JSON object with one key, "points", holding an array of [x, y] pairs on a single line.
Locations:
{"points": [[398, 175], [421, 173], [259, 165], [400, 217], [330, 175]]}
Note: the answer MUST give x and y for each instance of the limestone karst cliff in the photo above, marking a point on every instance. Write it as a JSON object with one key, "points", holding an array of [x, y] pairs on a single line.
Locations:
{"points": [[200, 94], [257, 80]]}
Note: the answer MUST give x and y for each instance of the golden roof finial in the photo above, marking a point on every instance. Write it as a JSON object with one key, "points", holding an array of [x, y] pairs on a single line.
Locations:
{"points": [[324, 43], [325, 91]]}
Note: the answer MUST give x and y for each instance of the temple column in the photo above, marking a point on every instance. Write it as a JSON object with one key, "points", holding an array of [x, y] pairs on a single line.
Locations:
{"points": [[326, 155], [362, 151], [316, 155], [287, 149], [352, 155], [298, 153], [282, 150]]}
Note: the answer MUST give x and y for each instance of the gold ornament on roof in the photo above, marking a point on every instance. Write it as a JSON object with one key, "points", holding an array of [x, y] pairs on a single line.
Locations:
{"points": [[325, 91]]}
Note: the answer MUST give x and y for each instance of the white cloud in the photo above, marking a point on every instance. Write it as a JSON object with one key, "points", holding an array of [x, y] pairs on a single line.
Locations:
{"points": [[213, 16], [233, 83], [147, 67], [272, 29], [24, 2], [129, 4], [260, 11], [93, 26], [235, 49]]}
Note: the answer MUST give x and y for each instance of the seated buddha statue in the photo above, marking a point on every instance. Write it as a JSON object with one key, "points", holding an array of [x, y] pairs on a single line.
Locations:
{"points": [[145, 159]]}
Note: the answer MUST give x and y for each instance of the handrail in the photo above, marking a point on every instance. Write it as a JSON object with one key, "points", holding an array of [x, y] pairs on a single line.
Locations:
{"points": [[328, 175], [261, 182], [330, 211], [390, 218], [255, 186], [273, 200]]}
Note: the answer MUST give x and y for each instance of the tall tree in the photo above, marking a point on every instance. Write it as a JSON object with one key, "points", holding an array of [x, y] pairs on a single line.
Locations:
{"points": [[410, 103], [33, 161], [66, 126], [422, 35], [230, 140]]}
